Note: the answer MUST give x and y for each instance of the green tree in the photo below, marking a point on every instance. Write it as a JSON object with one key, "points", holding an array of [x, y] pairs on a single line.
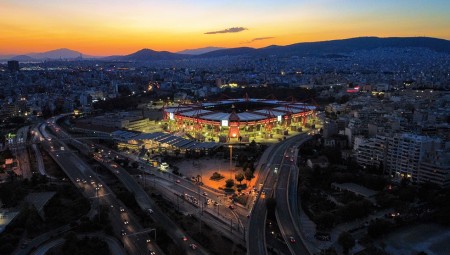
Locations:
{"points": [[347, 241], [379, 228], [239, 177], [229, 183], [248, 174], [325, 220]]}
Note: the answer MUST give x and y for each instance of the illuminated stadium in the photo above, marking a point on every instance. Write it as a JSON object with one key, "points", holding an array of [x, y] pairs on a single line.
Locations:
{"points": [[239, 120]]}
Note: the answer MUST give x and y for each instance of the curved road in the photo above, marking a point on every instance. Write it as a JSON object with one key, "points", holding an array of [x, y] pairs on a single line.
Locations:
{"points": [[256, 243], [114, 247]]}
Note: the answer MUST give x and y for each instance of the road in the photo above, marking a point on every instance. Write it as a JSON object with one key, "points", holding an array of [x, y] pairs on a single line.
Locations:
{"points": [[217, 216], [256, 230], [158, 215], [114, 247], [286, 196], [21, 152], [185, 192], [286, 193], [84, 177]]}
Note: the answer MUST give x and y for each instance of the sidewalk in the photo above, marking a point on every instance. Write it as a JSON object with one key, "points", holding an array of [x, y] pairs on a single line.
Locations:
{"points": [[205, 168]]}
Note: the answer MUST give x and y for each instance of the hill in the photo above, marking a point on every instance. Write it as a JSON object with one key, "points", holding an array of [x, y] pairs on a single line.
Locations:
{"points": [[148, 55], [338, 46], [199, 50]]}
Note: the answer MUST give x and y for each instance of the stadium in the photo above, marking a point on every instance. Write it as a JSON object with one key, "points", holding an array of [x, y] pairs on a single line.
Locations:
{"points": [[239, 120]]}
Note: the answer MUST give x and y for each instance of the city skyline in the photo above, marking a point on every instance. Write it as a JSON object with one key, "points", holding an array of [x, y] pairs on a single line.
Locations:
{"points": [[101, 29]]}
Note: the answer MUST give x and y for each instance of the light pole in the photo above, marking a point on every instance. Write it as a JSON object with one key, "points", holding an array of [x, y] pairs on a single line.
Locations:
{"points": [[231, 159]]}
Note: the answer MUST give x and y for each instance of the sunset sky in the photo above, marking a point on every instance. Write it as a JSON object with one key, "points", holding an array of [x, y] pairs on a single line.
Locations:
{"points": [[121, 27]]}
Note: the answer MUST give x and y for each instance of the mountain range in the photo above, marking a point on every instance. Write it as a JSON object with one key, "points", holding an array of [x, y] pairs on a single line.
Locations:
{"points": [[298, 49], [200, 51], [63, 53]]}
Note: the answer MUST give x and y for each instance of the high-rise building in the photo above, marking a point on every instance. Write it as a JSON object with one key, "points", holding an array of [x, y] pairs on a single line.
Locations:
{"points": [[13, 66], [435, 168], [372, 152], [406, 151], [404, 156]]}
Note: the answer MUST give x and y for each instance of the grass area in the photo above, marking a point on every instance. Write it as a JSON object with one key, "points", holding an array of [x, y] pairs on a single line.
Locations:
{"points": [[242, 199]]}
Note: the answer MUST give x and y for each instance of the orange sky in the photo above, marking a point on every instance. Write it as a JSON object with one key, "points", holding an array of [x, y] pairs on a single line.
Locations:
{"points": [[122, 27]]}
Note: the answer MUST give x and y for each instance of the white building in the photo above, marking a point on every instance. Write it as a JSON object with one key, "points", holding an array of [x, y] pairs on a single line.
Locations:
{"points": [[406, 151], [405, 156]]}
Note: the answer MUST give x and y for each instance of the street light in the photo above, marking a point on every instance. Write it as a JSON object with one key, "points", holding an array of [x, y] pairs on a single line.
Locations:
{"points": [[231, 159]]}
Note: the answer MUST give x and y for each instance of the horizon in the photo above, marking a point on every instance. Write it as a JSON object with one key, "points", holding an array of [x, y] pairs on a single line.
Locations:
{"points": [[99, 28], [220, 48]]}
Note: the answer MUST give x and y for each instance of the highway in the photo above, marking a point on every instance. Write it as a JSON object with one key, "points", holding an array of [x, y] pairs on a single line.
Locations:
{"points": [[141, 197], [188, 190], [256, 243], [286, 192], [84, 177], [21, 152], [158, 215], [114, 247]]}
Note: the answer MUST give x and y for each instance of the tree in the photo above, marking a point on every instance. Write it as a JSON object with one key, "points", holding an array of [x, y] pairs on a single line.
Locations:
{"points": [[229, 183], [347, 241], [239, 177], [248, 174], [379, 228], [325, 220]]}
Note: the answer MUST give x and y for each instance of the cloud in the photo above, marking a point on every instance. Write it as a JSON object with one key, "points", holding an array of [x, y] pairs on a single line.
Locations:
{"points": [[228, 30], [258, 39], [261, 38]]}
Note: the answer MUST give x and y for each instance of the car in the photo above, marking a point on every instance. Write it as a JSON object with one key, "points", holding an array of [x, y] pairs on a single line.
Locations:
{"points": [[184, 238], [193, 246], [177, 181], [123, 233], [216, 203], [150, 211], [100, 185], [97, 188], [164, 166], [122, 209], [322, 236], [125, 222], [205, 194], [151, 252], [231, 207], [78, 180], [84, 181], [92, 182], [291, 239], [148, 240]]}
